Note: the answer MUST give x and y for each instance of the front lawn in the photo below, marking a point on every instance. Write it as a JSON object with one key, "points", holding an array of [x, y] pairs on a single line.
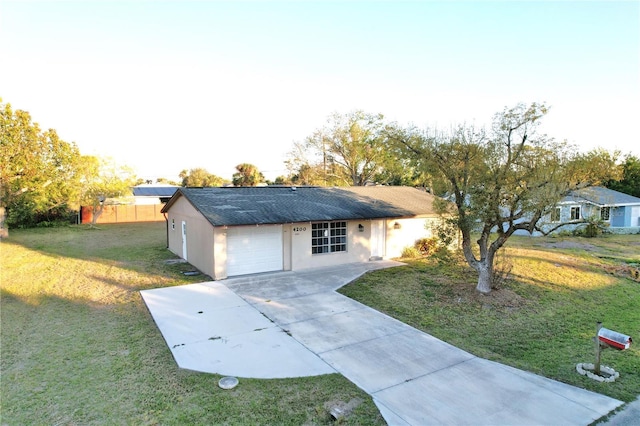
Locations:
{"points": [[78, 345], [541, 319]]}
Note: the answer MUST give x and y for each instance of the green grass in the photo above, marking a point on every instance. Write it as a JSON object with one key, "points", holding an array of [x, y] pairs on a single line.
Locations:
{"points": [[78, 345], [543, 316]]}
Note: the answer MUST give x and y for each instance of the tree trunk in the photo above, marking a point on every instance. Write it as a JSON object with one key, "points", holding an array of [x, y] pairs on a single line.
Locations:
{"points": [[4, 232], [484, 266], [485, 277], [97, 211], [486, 271]]}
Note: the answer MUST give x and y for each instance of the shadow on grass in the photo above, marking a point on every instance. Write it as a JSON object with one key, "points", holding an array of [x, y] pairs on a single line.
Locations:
{"points": [[112, 242], [130, 257], [80, 347]]}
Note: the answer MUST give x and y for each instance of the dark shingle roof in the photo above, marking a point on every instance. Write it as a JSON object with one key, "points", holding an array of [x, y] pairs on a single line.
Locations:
{"points": [[154, 191], [270, 205], [601, 196]]}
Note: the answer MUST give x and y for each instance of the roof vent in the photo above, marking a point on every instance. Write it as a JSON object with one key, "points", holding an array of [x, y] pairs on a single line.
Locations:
{"points": [[293, 188]]}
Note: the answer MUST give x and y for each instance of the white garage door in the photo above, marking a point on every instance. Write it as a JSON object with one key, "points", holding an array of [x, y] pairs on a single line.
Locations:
{"points": [[251, 250]]}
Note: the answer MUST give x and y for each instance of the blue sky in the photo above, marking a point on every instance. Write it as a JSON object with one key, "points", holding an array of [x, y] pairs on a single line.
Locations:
{"points": [[166, 86]]}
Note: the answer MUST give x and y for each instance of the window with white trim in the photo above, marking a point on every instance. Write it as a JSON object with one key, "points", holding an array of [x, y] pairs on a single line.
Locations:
{"points": [[575, 213], [328, 237], [605, 213]]}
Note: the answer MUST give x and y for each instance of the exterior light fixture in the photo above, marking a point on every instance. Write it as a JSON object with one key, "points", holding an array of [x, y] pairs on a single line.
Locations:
{"points": [[360, 228]]}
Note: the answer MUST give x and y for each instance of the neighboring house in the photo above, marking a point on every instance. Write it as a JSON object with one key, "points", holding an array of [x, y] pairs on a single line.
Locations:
{"points": [[621, 211], [237, 231], [144, 206], [153, 193]]}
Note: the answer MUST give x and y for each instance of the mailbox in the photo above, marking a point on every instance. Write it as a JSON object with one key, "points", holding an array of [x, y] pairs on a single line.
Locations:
{"points": [[614, 339]]}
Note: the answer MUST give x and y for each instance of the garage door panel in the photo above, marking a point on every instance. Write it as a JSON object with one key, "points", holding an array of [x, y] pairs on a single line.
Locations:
{"points": [[251, 250]]}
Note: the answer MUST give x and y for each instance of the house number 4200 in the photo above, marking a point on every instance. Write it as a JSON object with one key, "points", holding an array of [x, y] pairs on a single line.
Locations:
{"points": [[299, 228]]}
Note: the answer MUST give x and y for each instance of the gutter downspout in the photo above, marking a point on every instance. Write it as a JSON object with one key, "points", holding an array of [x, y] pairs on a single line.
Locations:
{"points": [[166, 222]]}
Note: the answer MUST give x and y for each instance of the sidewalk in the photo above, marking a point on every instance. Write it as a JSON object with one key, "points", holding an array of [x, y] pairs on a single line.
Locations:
{"points": [[628, 416]]}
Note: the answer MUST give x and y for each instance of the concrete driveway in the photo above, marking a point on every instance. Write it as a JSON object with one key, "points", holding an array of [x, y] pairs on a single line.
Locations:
{"points": [[294, 323]]}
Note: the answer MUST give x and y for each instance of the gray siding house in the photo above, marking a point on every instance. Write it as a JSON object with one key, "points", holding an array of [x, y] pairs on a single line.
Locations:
{"points": [[621, 211]]}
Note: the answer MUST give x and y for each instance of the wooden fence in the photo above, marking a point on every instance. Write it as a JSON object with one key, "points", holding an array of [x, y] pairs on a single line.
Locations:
{"points": [[124, 213]]}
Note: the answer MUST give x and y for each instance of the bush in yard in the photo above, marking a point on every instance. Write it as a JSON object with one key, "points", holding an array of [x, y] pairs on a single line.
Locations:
{"points": [[410, 253], [595, 226], [27, 216], [426, 246]]}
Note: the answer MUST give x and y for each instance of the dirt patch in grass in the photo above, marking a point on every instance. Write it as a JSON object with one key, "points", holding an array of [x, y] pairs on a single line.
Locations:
{"points": [[463, 291], [502, 298], [616, 255], [569, 245]]}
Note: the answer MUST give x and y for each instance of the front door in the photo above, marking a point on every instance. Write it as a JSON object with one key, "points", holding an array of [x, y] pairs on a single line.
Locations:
{"points": [[377, 239]]}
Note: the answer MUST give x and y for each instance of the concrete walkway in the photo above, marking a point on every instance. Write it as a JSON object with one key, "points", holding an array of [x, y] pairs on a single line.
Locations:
{"points": [[211, 329], [413, 377]]}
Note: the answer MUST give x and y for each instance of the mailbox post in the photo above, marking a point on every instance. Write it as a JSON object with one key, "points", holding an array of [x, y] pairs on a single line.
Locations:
{"points": [[604, 338], [596, 366]]}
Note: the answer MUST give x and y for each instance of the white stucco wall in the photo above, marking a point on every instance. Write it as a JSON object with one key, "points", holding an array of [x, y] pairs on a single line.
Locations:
{"points": [[358, 243], [358, 248], [410, 230], [219, 253]]}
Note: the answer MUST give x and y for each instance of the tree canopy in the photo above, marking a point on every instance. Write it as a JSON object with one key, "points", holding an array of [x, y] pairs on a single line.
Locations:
{"points": [[502, 180], [103, 182], [247, 175], [630, 180], [44, 179], [167, 181], [199, 177], [38, 177], [351, 149]]}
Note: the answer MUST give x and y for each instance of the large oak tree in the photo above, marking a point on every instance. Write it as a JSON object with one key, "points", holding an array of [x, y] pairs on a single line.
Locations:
{"points": [[502, 180], [38, 170], [349, 150]]}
